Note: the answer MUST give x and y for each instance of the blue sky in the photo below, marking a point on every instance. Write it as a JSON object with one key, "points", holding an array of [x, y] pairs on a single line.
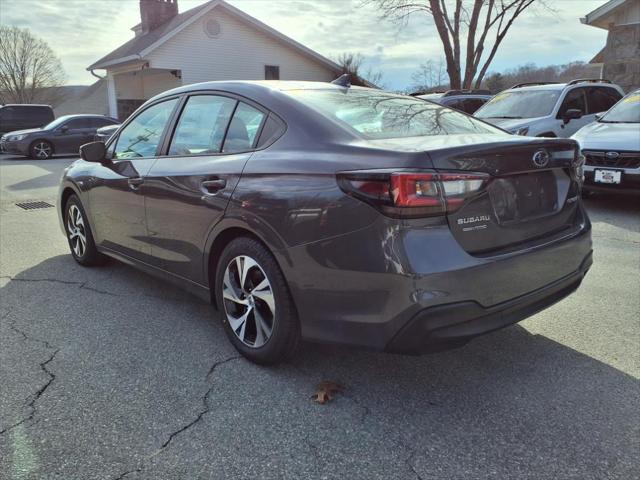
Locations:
{"points": [[82, 31]]}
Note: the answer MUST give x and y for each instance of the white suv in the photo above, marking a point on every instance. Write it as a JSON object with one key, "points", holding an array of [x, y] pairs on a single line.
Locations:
{"points": [[544, 109]]}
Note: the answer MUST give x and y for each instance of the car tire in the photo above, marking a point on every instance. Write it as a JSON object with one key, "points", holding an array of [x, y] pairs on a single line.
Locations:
{"points": [[258, 315], [79, 236], [41, 150]]}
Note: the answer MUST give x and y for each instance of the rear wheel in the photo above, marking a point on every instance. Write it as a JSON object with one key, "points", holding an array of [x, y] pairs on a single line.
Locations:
{"points": [[257, 310], [83, 248], [41, 150]]}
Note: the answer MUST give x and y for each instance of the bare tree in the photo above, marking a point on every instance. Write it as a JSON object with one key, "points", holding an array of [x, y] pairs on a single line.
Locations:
{"points": [[29, 70], [472, 24], [351, 63], [430, 75]]}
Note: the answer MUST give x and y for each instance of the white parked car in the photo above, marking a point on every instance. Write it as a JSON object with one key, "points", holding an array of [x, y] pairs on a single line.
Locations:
{"points": [[544, 109], [611, 146]]}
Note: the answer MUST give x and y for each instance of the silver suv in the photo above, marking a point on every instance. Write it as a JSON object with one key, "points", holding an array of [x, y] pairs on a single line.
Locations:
{"points": [[545, 109]]}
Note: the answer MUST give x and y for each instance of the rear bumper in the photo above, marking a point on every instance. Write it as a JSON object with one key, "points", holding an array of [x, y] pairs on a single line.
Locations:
{"points": [[411, 288], [452, 325]]}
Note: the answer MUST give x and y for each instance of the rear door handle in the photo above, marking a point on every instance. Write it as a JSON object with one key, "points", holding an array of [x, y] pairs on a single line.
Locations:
{"points": [[213, 186], [135, 182]]}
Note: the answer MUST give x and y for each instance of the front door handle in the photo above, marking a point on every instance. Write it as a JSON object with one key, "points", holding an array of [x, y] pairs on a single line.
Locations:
{"points": [[135, 182], [213, 186]]}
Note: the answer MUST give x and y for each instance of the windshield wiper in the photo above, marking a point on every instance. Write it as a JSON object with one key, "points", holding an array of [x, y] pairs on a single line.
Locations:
{"points": [[509, 118]]}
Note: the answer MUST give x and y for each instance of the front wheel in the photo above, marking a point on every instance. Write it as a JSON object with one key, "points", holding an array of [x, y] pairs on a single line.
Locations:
{"points": [[258, 313], [41, 150], [83, 248]]}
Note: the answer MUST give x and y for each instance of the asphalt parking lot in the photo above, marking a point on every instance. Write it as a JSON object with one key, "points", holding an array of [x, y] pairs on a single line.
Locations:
{"points": [[108, 373]]}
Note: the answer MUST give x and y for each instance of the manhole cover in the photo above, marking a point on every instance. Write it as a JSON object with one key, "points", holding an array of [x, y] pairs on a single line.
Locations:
{"points": [[33, 205]]}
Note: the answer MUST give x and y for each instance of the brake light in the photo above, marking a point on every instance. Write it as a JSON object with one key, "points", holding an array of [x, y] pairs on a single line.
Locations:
{"points": [[413, 194]]}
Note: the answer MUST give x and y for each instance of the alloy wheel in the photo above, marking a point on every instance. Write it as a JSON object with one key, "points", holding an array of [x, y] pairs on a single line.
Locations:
{"points": [[42, 150], [76, 231], [249, 303]]}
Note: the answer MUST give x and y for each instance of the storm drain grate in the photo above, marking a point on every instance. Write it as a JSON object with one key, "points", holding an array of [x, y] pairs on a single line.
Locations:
{"points": [[33, 205]]}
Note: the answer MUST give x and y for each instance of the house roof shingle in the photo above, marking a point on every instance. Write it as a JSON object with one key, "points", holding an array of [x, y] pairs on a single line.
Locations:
{"points": [[139, 43]]}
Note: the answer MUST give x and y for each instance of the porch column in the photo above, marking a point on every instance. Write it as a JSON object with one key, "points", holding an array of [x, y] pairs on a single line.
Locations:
{"points": [[111, 95]]}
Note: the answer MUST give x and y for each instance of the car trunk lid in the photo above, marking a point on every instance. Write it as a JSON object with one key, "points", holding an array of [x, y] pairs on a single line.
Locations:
{"points": [[533, 191]]}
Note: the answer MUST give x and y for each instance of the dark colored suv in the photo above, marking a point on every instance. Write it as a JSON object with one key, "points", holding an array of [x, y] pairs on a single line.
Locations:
{"points": [[333, 213], [22, 116], [63, 135], [467, 101]]}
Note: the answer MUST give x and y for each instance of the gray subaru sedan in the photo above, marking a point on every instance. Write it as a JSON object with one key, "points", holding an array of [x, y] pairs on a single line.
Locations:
{"points": [[333, 213]]}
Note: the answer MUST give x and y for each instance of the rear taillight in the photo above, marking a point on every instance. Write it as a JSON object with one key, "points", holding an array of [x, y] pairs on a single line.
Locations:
{"points": [[413, 194]]}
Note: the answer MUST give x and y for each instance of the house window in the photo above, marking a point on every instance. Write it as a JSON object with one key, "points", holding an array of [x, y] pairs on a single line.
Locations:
{"points": [[271, 72]]}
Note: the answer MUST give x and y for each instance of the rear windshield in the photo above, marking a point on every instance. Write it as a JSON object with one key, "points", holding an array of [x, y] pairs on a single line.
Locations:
{"points": [[520, 104], [375, 114], [626, 110]]}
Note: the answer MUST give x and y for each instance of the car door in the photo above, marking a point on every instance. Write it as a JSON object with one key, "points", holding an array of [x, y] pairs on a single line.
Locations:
{"points": [[188, 189], [574, 99], [68, 137], [116, 195]]}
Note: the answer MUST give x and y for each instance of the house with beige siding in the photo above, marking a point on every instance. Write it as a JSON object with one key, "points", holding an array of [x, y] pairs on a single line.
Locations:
{"points": [[213, 41]]}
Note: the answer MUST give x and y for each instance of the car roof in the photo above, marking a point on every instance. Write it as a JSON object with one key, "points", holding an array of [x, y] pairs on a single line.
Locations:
{"points": [[25, 105], [243, 87], [560, 86]]}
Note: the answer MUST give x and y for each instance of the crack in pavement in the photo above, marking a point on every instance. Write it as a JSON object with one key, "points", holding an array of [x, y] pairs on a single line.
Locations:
{"points": [[43, 366], [205, 403]]}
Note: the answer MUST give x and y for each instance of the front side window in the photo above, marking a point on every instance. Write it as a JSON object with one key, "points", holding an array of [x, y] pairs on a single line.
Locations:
{"points": [[520, 104], [626, 110], [575, 100], [376, 114], [243, 129], [601, 99], [202, 125], [141, 136]]}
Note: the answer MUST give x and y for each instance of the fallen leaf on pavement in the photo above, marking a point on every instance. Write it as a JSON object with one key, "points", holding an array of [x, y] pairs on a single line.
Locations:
{"points": [[325, 391]]}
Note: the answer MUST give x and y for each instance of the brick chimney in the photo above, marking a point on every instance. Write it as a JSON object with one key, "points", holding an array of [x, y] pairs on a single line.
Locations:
{"points": [[154, 13]]}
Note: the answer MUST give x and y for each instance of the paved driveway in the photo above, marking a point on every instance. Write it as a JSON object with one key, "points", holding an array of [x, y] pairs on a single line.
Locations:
{"points": [[107, 373]]}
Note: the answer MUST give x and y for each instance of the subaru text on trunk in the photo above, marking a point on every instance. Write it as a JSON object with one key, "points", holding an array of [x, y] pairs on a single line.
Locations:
{"points": [[333, 213]]}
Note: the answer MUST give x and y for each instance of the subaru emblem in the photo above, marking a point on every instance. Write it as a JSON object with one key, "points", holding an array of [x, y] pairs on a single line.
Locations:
{"points": [[612, 155], [541, 158]]}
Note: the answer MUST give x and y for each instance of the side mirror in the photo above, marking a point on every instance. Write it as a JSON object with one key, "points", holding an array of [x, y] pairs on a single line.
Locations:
{"points": [[94, 152], [64, 128], [599, 116], [571, 114]]}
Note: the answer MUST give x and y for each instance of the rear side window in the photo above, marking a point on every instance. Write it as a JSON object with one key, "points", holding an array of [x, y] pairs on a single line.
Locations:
{"points": [[101, 122], [273, 128], [457, 104], [470, 105], [575, 99], [377, 114], [601, 99], [7, 113], [141, 136], [79, 123], [42, 114], [202, 125], [243, 129]]}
